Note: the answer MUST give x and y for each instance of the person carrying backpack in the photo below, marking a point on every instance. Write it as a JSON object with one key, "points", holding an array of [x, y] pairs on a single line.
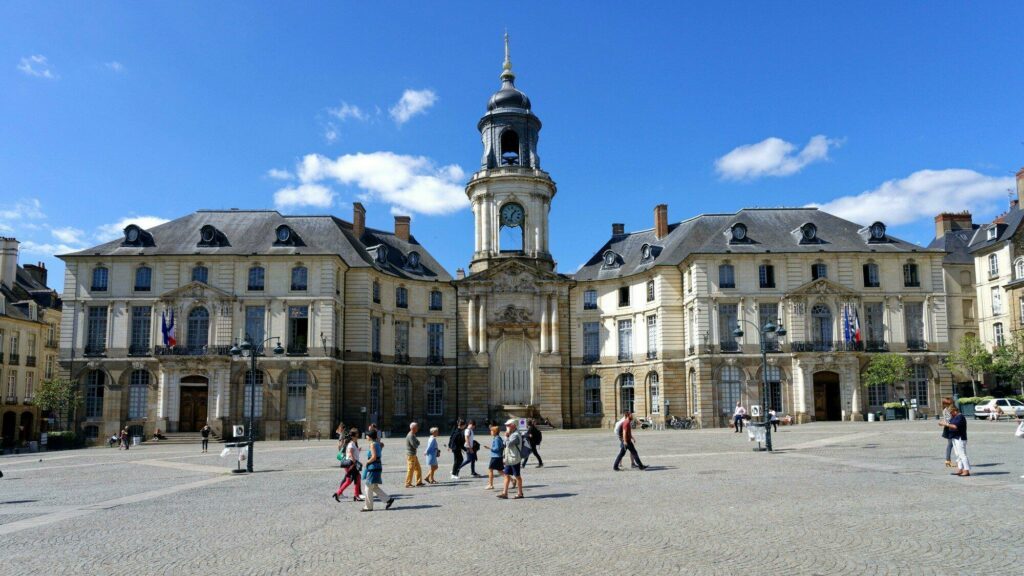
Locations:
{"points": [[456, 444], [533, 437]]}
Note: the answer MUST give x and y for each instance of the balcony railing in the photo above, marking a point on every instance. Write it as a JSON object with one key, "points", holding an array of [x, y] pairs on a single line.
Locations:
{"points": [[297, 350], [375, 356], [11, 400], [917, 345], [435, 360], [876, 346], [652, 354], [772, 346], [29, 400], [401, 358], [835, 346], [51, 343], [30, 361], [591, 358], [93, 350], [13, 360], [625, 356], [139, 350], [1, 357], [192, 351], [729, 346]]}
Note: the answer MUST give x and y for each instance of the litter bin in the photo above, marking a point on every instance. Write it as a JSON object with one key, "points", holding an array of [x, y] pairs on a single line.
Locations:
{"points": [[756, 433], [912, 414], [136, 440]]}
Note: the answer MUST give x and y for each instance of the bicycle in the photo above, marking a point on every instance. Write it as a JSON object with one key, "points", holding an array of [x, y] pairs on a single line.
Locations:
{"points": [[677, 423]]}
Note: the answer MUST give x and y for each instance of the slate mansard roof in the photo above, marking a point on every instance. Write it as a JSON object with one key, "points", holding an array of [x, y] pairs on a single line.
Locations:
{"points": [[1006, 226], [768, 230], [253, 232]]}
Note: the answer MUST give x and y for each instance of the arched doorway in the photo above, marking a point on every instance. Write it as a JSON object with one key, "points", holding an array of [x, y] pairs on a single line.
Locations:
{"points": [[827, 401], [8, 429], [193, 401], [27, 419], [512, 374]]}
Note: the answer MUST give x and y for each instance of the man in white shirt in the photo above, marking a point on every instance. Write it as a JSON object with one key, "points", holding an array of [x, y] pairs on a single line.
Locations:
{"points": [[471, 448], [737, 417]]}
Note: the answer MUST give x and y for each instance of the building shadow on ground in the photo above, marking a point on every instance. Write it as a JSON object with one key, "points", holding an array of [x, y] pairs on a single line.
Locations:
{"points": [[559, 495]]}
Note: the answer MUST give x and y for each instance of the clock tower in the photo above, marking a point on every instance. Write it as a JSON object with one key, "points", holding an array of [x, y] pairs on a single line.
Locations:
{"points": [[510, 194], [512, 362]]}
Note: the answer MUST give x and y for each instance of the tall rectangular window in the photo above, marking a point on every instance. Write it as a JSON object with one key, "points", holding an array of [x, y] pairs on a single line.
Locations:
{"points": [[625, 340], [257, 278], [298, 329], [401, 395], [375, 336], [376, 292], [401, 341], [997, 301], [878, 394], [993, 265], [819, 271], [401, 297], [12, 383], [968, 309], [141, 328], [435, 342], [652, 336], [650, 290], [997, 334], [592, 395], [654, 382], [143, 278], [300, 278], [913, 313], [769, 312], [138, 392], [766, 276], [919, 384], [435, 300], [375, 396], [871, 279], [435, 396], [729, 389], [910, 277], [253, 388], [624, 296], [873, 327], [255, 323], [100, 279], [726, 276], [591, 342], [50, 360], [30, 384], [728, 318], [590, 299], [774, 377], [96, 330]]}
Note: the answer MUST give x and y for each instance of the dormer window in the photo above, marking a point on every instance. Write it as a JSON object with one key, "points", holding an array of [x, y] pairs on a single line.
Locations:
{"points": [[381, 255], [990, 234], [738, 232], [877, 231], [808, 233], [645, 252], [207, 234], [413, 260], [210, 237], [284, 233], [285, 236], [611, 259], [135, 236]]}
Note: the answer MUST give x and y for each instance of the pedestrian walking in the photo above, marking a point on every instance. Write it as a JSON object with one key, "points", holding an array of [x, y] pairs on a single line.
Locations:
{"points": [[380, 435], [456, 445], [412, 465], [512, 459], [472, 447], [957, 425], [626, 444], [350, 463], [533, 437], [738, 416], [618, 434], [946, 403], [432, 453], [496, 463], [205, 432], [773, 419], [373, 472], [124, 437]]}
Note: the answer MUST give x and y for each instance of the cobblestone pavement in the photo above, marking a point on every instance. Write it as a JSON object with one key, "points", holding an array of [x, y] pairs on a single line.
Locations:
{"points": [[835, 498]]}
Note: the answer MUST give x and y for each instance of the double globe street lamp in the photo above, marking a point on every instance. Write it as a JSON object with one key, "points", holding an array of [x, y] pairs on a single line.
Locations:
{"points": [[779, 331], [247, 349]]}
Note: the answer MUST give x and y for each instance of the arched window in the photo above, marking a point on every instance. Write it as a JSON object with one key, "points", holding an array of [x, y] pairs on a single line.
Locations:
{"points": [[200, 273], [592, 395], [257, 278], [138, 394], [726, 276], [993, 265], [297, 380], [100, 279], [300, 277], [821, 327], [143, 279], [198, 330], [94, 386], [627, 394], [655, 384], [251, 379], [729, 389], [1018, 268], [509, 148]]}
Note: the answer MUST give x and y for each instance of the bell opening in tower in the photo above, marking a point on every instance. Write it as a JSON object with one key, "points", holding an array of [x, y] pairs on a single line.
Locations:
{"points": [[511, 234], [509, 148]]}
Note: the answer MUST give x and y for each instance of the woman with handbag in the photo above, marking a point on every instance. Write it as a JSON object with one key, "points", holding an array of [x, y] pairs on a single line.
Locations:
{"points": [[372, 474], [350, 463], [432, 454], [946, 403]]}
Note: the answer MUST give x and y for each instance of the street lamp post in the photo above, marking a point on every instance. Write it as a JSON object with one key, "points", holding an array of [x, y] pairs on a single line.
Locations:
{"points": [[253, 352], [764, 331]]}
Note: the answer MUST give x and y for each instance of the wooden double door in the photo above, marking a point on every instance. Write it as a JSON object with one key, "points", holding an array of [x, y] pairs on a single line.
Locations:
{"points": [[192, 408]]}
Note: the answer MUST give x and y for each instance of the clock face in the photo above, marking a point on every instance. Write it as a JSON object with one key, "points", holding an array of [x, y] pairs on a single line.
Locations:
{"points": [[283, 233], [878, 230], [512, 215], [133, 234]]}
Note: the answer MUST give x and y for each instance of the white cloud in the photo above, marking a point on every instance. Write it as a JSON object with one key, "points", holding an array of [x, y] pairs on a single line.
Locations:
{"points": [[923, 194], [114, 66], [307, 194], [411, 184], [413, 102], [108, 232], [331, 133], [27, 209], [45, 248], [68, 235], [347, 111], [37, 66], [772, 157], [278, 174]]}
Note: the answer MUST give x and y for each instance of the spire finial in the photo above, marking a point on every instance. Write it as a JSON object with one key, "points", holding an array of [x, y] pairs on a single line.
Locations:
{"points": [[506, 68]]}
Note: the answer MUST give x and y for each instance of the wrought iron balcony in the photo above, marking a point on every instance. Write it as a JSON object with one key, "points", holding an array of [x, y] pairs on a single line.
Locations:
{"points": [[772, 346], [917, 345], [827, 346], [192, 351], [401, 358], [29, 400], [138, 350], [51, 343], [435, 360], [652, 354], [13, 360], [94, 350], [297, 350], [30, 361], [625, 356], [434, 307], [729, 346], [376, 356], [590, 305], [591, 359], [11, 400], [876, 346]]}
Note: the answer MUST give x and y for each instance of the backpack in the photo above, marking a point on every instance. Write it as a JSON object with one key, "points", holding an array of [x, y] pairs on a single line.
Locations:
{"points": [[618, 429], [455, 441]]}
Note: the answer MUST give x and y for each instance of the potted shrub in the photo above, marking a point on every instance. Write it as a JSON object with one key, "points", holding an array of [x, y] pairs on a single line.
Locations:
{"points": [[886, 370], [968, 403], [895, 411]]}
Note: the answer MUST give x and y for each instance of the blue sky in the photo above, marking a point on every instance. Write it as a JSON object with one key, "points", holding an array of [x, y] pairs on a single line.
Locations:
{"points": [[114, 112]]}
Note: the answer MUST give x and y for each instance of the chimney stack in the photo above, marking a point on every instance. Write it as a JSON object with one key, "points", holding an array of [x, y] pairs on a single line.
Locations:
{"points": [[661, 221], [1020, 184], [618, 229], [950, 221], [402, 227], [8, 261], [37, 272], [358, 220], [460, 274]]}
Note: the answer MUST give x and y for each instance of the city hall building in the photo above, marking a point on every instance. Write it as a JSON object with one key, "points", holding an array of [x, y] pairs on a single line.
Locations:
{"points": [[375, 330]]}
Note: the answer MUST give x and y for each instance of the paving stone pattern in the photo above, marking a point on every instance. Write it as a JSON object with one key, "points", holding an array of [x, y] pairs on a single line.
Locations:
{"points": [[835, 498]]}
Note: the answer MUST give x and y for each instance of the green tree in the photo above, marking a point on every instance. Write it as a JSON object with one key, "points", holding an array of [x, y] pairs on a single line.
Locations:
{"points": [[886, 370], [59, 396], [970, 358], [1008, 361]]}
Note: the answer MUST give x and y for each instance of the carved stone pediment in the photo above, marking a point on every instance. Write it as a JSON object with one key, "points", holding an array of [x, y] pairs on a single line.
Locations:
{"points": [[512, 314], [822, 287], [196, 291], [513, 277]]}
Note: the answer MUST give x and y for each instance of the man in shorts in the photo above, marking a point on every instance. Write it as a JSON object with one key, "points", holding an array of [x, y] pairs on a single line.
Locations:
{"points": [[513, 459]]}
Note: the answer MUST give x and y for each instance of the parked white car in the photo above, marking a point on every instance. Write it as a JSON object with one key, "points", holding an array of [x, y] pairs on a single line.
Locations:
{"points": [[1010, 408]]}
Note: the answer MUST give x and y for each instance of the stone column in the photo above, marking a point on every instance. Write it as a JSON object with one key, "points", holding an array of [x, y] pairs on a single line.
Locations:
{"points": [[482, 346], [471, 331], [544, 324], [855, 401], [554, 324]]}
